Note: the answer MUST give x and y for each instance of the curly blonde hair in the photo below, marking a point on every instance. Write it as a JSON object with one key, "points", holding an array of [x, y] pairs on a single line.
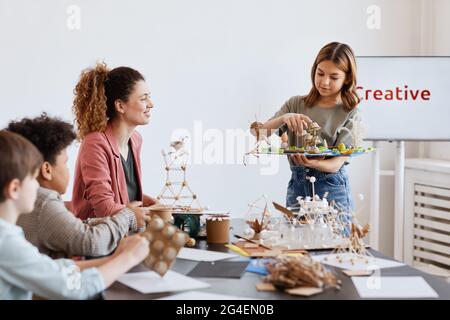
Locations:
{"points": [[341, 55], [95, 95], [89, 105]]}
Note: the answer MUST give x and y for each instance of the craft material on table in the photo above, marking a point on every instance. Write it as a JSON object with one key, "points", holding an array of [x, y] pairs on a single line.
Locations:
{"points": [[258, 266], [250, 249], [281, 248], [176, 191], [218, 229], [203, 255], [165, 240], [236, 249], [393, 287], [344, 262], [358, 273], [257, 242], [163, 211], [219, 269], [199, 295], [304, 291], [317, 224], [265, 286], [151, 282], [300, 275]]}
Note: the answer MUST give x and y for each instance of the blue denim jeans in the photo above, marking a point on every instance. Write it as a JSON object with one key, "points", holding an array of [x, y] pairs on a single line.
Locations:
{"points": [[336, 184]]}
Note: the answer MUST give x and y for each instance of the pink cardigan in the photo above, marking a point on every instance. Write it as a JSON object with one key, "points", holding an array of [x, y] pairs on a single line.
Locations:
{"points": [[100, 187]]}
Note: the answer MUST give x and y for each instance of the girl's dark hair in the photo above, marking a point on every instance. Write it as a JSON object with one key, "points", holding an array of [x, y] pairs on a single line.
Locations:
{"points": [[49, 135], [96, 93], [18, 159]]}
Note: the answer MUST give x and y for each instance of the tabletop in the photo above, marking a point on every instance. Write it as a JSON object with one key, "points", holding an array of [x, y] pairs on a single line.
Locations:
{"points": [[246, 285]]}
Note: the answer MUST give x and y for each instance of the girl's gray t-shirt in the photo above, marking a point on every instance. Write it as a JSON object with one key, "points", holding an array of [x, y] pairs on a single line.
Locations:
{"points": [[330, 119]]}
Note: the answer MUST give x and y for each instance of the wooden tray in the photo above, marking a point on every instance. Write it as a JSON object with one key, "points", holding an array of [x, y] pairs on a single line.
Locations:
{"points": [[322, 154]]}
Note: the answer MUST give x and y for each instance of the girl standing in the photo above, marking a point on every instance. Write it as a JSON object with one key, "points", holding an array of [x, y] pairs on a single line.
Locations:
{"points": [[331, 103]]}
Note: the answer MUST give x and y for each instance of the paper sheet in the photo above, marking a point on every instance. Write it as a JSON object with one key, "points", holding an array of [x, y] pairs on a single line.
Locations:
{"points": [[373, 263], [198, 295], [393, 287], [219, 269], [203, 255], [151, 282]]}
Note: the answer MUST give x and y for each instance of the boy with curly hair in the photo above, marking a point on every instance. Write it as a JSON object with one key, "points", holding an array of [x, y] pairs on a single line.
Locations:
{"points": [[51, 226]]}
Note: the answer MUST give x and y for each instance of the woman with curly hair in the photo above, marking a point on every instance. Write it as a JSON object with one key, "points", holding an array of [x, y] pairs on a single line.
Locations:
{"points": [[108, 106]]}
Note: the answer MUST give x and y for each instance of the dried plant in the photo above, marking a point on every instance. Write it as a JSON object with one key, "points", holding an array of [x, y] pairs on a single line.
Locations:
{"points": [[259, 225], [354, 248], [300, 271]]}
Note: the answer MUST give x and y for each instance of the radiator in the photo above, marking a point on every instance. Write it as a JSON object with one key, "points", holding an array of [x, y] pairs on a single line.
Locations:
{"points": [[431, 225], [426, 239]]}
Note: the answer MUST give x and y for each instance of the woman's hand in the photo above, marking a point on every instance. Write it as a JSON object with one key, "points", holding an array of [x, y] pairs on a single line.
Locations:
{"points": [[296, 122], [149, 201], [142, 214], [301, 160], [136, 247]]}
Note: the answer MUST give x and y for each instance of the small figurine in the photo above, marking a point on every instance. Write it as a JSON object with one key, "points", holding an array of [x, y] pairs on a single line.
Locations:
{"points": [[354, 248], [257, 129], [284, 141], [357, 132], [178, 192], [262, 140], [312, 138], [258, 225]]}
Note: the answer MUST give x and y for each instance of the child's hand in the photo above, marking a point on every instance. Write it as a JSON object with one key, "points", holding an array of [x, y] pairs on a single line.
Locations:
{"points": [[142, 214], [296, 122], [302, 160], [136, 246]]}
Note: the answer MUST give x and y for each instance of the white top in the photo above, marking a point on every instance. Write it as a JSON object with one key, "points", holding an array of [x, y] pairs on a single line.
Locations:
{"points": [[23, 271]]}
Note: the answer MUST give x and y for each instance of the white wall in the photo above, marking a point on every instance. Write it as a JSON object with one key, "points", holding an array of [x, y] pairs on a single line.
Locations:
{"points": [[220, 62], [440, 45]]}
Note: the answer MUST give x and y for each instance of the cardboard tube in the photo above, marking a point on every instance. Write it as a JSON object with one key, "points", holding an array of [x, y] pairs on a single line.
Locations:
{"points": [[218, 229]]}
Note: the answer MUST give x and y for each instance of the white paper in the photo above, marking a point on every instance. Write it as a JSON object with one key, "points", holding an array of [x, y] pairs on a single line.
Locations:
{"points": [[373, 263], [199, 295], [151, 282], [203, 255], [393, 287]]}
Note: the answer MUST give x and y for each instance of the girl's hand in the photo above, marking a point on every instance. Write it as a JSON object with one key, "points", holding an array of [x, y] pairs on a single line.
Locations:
{"points": [[136, 247], [296, 122], [302, 160]]}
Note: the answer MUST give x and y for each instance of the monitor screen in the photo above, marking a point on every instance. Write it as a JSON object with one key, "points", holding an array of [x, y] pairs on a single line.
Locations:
{"points": [[405, 98]]}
